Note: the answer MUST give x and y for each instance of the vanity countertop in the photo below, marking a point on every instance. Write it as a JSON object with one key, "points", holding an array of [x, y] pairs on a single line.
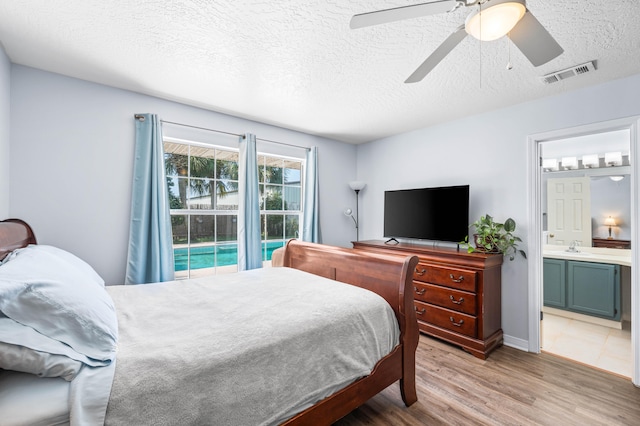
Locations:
{"points": [[589, 254]]}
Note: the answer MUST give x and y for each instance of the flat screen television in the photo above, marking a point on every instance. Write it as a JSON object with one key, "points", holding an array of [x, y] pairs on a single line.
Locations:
{"points": [[437, 214]]}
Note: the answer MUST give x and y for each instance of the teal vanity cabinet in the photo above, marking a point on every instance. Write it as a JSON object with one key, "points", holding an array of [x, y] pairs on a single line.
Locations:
{"points": [[584, 287], [555, 283]]}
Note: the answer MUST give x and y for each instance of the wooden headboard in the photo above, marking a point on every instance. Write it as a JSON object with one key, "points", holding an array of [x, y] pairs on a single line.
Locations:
{"points": [[14, 234]]}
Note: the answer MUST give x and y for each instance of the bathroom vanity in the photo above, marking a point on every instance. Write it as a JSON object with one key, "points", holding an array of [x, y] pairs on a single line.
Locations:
{"points": [[585, 283]]}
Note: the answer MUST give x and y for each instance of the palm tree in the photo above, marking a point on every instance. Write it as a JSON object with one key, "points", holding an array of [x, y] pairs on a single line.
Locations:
{"points": [[176, 164], [218, 177]]}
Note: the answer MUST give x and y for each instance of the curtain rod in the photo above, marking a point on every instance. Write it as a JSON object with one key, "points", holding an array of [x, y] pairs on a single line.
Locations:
{"points": [[283, 143], [141, 117], [201, 128]]}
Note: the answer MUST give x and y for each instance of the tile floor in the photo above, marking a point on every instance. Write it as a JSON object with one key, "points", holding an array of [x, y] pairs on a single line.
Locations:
{"points": [[602, 347]]}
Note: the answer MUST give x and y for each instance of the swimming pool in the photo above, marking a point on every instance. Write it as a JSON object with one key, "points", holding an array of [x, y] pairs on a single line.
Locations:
{"points": [[210, 256]]}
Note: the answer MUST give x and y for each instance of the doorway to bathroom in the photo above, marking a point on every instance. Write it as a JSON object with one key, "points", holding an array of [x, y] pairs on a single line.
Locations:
{"points": [[583, 286], [586, 250]]}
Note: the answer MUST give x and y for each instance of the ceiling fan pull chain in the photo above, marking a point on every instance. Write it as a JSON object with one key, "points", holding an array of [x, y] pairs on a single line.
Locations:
{"points": [[480, 42], [509, 65]]}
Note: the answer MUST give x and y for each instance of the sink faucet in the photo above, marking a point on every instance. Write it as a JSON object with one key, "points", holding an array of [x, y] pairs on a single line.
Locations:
{"points": [[573, 247]]}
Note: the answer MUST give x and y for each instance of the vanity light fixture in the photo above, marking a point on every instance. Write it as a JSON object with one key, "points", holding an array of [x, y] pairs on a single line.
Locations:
{"points": [[590, 161], [613, 158], [570, 163], [616, 178], [550, 164]]}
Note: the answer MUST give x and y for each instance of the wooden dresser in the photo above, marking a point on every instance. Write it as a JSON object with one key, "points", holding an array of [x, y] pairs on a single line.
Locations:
{"points": [[605, 242], [457, 295]]}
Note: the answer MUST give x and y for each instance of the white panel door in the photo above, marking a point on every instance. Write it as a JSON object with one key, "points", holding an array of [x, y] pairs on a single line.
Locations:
{"points": [[569, 210]]}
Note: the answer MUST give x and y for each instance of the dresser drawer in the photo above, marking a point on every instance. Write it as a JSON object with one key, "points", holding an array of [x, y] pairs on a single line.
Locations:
{"points": [[446, 318], [461, 279], [446, 297]]}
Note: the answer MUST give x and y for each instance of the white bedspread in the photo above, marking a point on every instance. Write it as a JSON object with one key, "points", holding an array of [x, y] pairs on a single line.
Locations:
{"points": [[252, 348]]}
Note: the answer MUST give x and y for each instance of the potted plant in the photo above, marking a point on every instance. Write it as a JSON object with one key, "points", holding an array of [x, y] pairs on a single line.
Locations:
{"points": [[494, 237]]}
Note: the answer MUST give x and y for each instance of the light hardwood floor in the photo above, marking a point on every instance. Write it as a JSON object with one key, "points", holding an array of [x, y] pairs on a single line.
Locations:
{"points": [[511, 387]]}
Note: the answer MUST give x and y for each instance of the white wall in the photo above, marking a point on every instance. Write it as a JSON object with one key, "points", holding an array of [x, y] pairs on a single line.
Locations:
{"points": [[5, 134], [489, 152], [72, 159]]}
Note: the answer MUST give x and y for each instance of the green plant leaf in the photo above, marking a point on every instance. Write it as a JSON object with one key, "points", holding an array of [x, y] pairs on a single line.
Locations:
{"points": [[492, 236], [510, 225]]}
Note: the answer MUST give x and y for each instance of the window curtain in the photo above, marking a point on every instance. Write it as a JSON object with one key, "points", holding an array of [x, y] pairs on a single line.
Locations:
{"points": [[310, 230], [249, 240], [150, 255]]}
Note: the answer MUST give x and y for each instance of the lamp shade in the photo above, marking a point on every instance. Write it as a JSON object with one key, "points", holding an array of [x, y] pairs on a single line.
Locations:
{"points": [[590, 160], [357, 185], [550, 164], [495, 21], [610, 221], [570, 163], [613, 158]]}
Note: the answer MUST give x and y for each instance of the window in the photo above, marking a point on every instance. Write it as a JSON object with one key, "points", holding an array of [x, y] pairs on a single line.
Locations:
{"points": [[203, 194], [280, 201]]}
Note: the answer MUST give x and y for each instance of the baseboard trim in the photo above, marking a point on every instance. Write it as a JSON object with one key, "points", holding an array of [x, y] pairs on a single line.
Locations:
{"points": [[585, 318], [516, 343]]}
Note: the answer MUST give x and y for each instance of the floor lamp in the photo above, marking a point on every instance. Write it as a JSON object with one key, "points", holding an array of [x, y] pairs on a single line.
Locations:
{"points": [[357, 186]]}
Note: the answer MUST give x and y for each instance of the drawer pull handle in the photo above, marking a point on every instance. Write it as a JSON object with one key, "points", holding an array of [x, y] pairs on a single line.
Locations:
{"points": [[457, 324], [420, 272], [457, 302], [419, 292], [420, 311], [456, 280]]}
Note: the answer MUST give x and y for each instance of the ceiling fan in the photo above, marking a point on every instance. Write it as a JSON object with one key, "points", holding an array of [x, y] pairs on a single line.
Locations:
{"points": [[492, 20]]}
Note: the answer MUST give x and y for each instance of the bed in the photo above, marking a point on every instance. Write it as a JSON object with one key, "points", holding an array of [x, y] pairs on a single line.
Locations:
{"points": [[290, 345]]}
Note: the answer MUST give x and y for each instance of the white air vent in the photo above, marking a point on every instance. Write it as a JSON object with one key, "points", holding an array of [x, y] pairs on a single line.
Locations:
{"points": [[569, 72]]}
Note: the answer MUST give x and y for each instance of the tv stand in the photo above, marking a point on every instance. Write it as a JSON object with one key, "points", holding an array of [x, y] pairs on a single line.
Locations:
{"points": [[457, 295], [392, 239]]}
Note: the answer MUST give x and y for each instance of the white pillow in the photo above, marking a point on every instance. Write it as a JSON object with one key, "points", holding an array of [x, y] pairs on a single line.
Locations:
{"points": [[42, 364], [66, 260], [73, 260], [60, 298], [14, 333]]}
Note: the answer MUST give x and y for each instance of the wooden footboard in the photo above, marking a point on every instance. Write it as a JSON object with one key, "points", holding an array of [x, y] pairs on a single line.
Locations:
{"points": [[391, 278]]}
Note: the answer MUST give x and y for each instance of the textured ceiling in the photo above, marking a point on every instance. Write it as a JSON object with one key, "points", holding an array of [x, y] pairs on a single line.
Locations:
{"points": [[296, 63]]}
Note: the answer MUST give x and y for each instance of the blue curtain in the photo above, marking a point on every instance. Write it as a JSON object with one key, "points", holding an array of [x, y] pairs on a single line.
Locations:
{"points": [[249, 243], [310, 230], [150, 256]]}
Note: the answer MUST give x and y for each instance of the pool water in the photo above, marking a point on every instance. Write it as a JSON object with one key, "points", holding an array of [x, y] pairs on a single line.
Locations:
{"points": [[210, 256]]}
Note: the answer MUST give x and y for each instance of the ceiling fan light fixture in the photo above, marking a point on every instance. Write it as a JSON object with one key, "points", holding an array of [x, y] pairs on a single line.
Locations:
{"points": [[494, 21]]}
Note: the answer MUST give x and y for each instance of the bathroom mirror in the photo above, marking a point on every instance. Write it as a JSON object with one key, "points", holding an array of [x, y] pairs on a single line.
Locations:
{"points": [[592, 173]]}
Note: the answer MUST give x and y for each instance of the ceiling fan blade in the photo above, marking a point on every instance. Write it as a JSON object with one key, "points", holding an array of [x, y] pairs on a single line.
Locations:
{"points": [[438, 55], [399, 13], [534, 41]]}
